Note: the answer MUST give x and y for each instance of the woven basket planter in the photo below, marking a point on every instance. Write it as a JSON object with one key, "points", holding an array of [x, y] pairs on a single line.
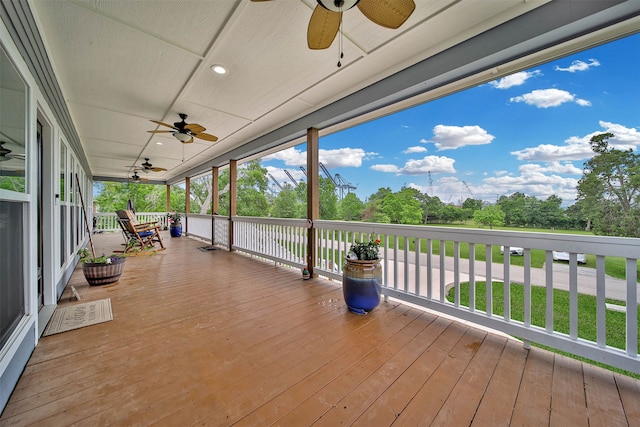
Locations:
{"points": [[103, 274]]}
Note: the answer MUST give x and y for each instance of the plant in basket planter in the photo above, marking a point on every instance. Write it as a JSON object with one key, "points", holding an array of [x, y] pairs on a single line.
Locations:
{"points": [[103, 269], [362, 276], [175, 226]]}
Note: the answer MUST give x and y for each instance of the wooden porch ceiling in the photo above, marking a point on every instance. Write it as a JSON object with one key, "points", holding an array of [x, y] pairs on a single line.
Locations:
{"points": [[218, 338]]}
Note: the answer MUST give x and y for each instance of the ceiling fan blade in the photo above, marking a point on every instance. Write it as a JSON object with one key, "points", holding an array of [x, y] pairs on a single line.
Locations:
{"points": [[387, 13], [194, 128], [206, 137], [161, 131], [163, 124], [156, 169], [323, 27]]}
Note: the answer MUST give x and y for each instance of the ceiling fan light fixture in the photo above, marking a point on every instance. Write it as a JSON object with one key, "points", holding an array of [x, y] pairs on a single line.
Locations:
{"points": [[4, 153], [182, 136], [219, 69], [337, 5]]}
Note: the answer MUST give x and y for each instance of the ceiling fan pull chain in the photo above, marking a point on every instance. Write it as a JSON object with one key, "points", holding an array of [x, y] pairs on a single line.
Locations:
{"points": [[340, 42]]}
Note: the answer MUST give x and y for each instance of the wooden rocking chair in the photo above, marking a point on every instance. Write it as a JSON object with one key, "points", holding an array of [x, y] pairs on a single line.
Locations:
{"points": [[138, 235]]}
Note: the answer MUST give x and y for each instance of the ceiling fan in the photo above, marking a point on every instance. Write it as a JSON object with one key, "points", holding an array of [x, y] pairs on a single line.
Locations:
{"points": [[137, 178], [146, 167], [184, 132], [5, 153], [327, 16]]}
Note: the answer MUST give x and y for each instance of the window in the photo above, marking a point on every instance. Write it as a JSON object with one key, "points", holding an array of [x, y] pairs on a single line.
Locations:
{"points": [[13, 95]]}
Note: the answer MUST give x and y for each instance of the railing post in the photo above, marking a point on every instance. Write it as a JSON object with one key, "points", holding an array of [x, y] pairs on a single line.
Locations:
{"points": [[313, 205], [233, 175], [187, 204], [215, 194], [168, 198]]}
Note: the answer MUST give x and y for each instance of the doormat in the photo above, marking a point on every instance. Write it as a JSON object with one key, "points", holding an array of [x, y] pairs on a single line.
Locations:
{"points": [[78, 316], [208, 248]]}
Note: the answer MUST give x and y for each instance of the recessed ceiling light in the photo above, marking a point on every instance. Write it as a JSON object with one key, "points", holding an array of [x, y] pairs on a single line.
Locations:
{"points": [[218, 69], [158, 143]]}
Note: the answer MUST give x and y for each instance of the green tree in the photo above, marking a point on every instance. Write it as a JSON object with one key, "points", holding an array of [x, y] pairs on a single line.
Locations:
{"points": [[251, 188], [373, 209], [451, 213], [201, 195], [402, 207], [609, 189], [514, 209], [301, 198], [327, 198], [285, 205], [350, 208], [111, 196], [491, 215], [551, 213], [434, 209], [470, 206]]}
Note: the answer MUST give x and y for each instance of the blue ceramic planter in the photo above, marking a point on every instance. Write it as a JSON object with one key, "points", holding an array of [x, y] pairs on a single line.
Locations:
{"points": [[361, 285], [175, 230]]}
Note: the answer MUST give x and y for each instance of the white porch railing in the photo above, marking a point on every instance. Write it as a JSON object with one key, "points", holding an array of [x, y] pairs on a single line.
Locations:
{"points": [[201, 226], [281, 240], [108, 221], [423, 277]]}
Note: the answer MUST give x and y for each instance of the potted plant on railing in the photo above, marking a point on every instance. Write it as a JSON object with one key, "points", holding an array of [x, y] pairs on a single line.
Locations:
{"points": [[362, 276], [101, 270], [175, 226]]}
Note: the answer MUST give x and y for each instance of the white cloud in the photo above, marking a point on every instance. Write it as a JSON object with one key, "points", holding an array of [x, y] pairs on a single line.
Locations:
{"points": [[291, 157], [579, 66], [545, 98], [424, 141], [452, 137], [341, 157], [515, 79], [548, 152], [385, 168], [415, 149], [533, 180], [433, 164], [565, 168], [578, 148]]}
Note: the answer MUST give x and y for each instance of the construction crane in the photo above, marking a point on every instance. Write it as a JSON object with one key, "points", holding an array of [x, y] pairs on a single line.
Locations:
{"points": [[275, 181], [469, 189], [343, 185], [430, 185], [304, 170], [326, 172], [295, 183]]}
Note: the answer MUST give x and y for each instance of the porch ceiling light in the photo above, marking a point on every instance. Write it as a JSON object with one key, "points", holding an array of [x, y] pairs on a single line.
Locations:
{"points": [[182, 136], [218, 69]]}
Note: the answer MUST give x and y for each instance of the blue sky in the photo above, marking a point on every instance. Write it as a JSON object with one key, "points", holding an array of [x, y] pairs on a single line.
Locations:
{"points": [[527, 132]]}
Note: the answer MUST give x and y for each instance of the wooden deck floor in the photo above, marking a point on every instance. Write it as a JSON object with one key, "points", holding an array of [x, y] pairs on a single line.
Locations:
{"points": [[217, 338]]}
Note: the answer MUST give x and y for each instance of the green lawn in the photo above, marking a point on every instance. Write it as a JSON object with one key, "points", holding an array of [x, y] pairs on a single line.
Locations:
{"points": [[615, 321]]}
